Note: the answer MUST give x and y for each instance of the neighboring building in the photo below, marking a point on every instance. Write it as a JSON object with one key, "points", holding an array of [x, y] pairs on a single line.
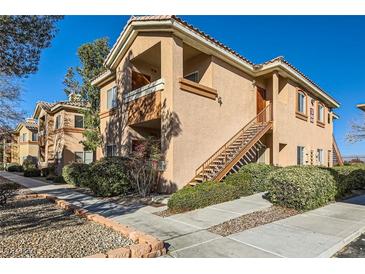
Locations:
{"points": [[60, 128], [361, 106], [9, 148], [27, 139], [20, 143], [212, 108]]}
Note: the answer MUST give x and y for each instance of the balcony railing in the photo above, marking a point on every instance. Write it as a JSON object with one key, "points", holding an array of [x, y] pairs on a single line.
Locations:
{"points": [[145, 90]]}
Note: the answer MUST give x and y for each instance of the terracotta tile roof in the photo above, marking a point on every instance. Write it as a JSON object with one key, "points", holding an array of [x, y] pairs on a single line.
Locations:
{"points": [[31, 125], [48, 106], [211, 39]]}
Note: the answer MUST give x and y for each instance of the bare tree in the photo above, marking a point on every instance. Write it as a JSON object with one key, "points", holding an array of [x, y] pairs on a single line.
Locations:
{"points": [[9, 102], [357, 132]]}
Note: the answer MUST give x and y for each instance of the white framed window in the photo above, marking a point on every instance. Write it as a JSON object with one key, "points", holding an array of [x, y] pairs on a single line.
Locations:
{"points": [[301, 102], [85, 157], [300, 155], [79, 121], [58, 122], [320, 156], [194, 76], [111, 101], [321, 113], [110, 150]]}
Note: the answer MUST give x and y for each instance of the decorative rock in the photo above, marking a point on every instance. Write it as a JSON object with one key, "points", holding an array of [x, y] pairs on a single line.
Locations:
{"points": [[138, 250], [119, 253]]}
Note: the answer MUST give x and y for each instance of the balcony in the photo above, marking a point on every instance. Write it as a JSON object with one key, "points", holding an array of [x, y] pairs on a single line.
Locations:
{"points": [[144, 103]]}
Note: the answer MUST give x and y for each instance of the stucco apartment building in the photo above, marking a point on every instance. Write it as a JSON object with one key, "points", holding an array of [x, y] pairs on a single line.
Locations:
{"points": [[213, 109], [21, 142], [60, 127]]}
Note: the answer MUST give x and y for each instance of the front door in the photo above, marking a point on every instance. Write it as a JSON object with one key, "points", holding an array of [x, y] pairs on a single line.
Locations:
{"points": [[261, 103]]}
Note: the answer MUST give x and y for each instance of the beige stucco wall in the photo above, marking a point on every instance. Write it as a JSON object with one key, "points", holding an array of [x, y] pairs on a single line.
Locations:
{"points": [[296, 132], [193, 127]]}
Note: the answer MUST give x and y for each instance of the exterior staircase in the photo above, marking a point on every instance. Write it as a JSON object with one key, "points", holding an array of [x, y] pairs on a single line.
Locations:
{"points": [[337, 158], [241, 149]]}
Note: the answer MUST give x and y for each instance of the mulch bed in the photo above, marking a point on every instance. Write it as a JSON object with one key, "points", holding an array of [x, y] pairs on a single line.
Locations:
{"points": [[165, 213], [355, 249], [36, 228], [248, 221]]}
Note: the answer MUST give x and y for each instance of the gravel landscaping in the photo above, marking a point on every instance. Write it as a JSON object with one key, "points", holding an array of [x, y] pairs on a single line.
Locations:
{"points": [[244, 222], [356, 249], [36, 228]]}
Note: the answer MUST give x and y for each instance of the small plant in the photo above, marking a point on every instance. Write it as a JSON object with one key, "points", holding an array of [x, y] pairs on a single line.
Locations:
{"points": [[13, 167], [32, 172], [7, 190], [30, 162], [76, 174], [108, 177], [143, 166]]}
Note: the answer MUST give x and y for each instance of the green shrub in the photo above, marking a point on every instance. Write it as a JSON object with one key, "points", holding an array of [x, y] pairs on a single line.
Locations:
{"points": [[301, 187], [202, 195], [13, 167], [243, 182], [108, 177], [348, 177], [30, 162], [76, 174], [58, 179], [259, 174], [32, 172]]}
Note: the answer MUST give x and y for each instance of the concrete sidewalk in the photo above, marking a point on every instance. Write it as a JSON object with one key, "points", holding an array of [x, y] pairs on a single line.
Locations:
{"points": [[317, 233]]}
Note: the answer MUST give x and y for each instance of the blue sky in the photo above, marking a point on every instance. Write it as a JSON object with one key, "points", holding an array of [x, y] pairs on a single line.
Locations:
{"points": [[330, 50]]}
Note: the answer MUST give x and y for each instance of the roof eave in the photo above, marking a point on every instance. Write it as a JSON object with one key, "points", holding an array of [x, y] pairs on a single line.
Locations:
{"points": [[361, 106], [297, 77]]}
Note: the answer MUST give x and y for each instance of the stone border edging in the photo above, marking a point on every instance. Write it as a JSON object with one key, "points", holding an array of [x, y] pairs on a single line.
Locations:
{"points": [[147, 246]]}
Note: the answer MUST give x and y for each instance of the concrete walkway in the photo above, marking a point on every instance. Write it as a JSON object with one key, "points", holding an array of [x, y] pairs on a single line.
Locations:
{"points": [[317, 233]]}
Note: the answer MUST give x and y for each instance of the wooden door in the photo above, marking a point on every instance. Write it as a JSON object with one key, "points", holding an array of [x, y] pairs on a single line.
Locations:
{"points": [[260, 103]]}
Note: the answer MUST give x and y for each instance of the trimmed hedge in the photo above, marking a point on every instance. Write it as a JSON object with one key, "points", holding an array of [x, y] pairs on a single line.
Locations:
{"points": [[202, 195], [13, 167], [301, 187], [108, 177], [348, 177], [32, 172], [76, 174], [259, 174], [242, 181]]}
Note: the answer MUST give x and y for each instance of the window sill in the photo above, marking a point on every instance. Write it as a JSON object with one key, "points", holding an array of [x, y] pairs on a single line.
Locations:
{"points": [[107, 113], [301, 116], [320, 124]]}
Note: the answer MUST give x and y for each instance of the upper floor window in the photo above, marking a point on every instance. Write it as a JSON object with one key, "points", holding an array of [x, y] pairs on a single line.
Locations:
{"points": [[34, 136], [23, 137], [320, 113], [58, 122], [111, 98], [194, 76], [300, 155], [79, 121], [301, 102]]}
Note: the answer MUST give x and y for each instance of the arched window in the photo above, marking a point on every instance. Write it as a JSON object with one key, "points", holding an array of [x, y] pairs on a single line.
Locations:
{"points": [[301, 102]]}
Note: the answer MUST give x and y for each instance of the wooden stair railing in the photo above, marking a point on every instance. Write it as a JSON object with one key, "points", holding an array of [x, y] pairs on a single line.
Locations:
{"points": [[336, 152], [218, 165]]}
